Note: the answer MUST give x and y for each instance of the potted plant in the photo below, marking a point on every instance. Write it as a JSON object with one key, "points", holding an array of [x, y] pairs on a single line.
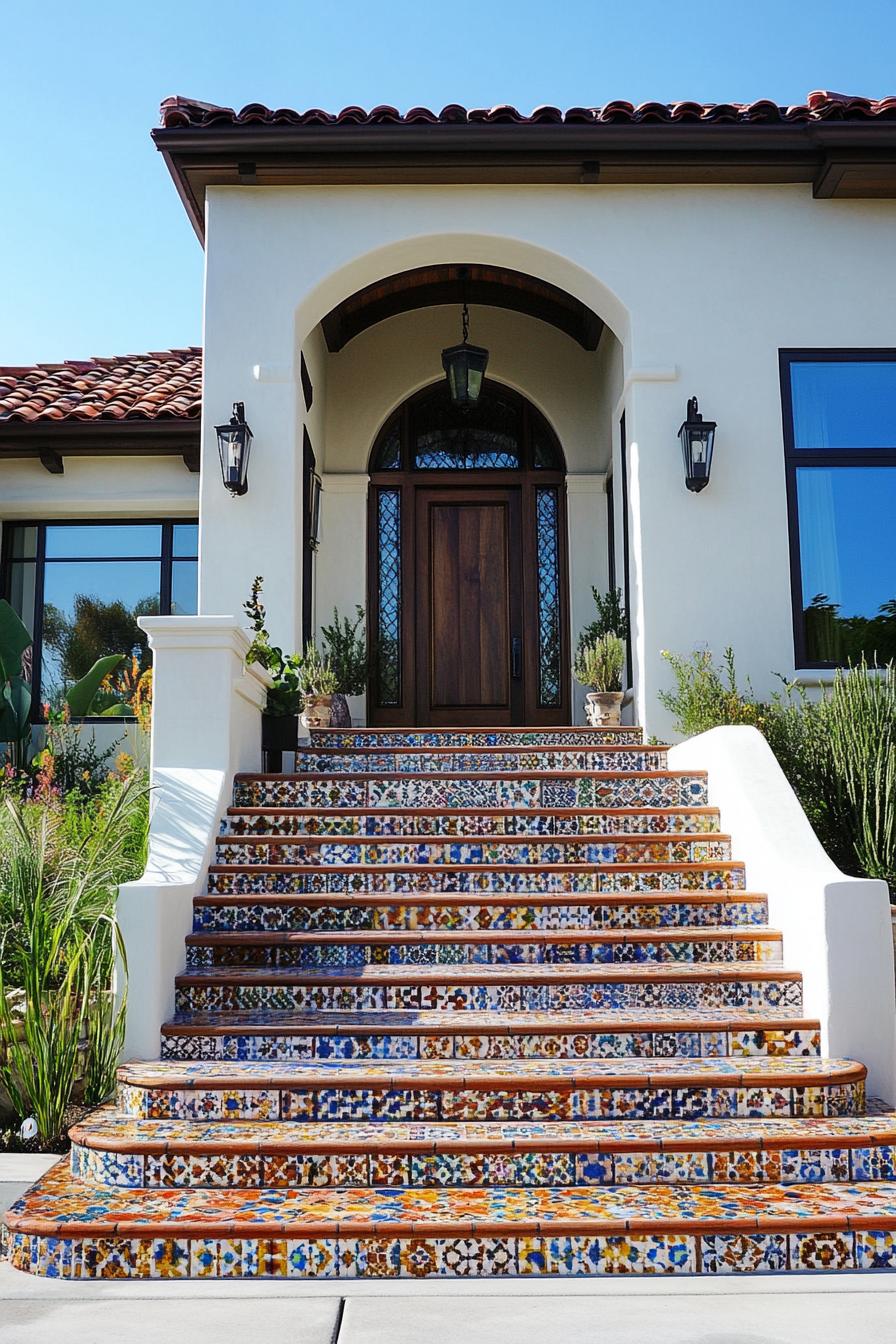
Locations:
{"points": [[317, 683], [280, 720], [599, 666], [344, 647]]}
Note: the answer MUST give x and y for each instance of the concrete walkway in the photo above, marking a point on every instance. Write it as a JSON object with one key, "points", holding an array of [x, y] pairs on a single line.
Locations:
{"points": [[826, 1309]]}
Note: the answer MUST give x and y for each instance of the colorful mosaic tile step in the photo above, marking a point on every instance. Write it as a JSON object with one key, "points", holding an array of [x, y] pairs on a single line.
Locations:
{"points": [[522, 738], [448, 947], [618, 821], [275, 914], [593, 850], [258, 878], [622, 789], [332, 1233], [111, 1150], [487, 1002], [487, 988], [437, 761], [522, 1089]]}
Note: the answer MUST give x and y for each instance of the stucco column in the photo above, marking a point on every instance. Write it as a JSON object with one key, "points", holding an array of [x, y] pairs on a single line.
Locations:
{"points": [[206, 725]]}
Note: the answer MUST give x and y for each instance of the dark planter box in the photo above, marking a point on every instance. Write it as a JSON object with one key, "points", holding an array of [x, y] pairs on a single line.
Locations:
{"points": [[279, 732]]}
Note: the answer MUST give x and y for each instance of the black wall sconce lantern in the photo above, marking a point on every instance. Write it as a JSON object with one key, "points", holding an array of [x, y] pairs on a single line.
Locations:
{"points": [[464, 364], [234, 444], [696, 437]]}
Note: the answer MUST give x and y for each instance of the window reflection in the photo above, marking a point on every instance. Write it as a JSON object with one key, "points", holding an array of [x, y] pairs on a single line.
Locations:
{"points": [[847, 562]]}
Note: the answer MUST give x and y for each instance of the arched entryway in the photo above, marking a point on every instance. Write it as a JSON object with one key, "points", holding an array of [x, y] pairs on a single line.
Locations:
{"points": [[467, 564]]}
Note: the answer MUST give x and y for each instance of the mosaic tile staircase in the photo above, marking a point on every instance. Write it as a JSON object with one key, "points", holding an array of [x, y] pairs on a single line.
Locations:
{"points": [[475, 1004]]}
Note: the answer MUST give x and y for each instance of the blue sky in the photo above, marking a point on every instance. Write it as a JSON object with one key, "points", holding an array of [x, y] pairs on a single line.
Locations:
{"points": [[96, 253]]}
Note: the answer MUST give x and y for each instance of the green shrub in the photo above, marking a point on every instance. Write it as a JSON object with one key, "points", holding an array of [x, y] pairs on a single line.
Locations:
{"points": [[61, 1029], [611, 618], [344, 646], [838, 752], [599, 665]]}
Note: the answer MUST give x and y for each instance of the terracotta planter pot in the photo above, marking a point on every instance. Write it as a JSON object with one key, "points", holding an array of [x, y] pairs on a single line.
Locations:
{"points": [[603, 708], [317, 711]]}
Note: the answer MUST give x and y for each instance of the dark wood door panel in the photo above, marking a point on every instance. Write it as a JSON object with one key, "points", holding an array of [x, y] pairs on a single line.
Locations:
{"points": [[469, 606]]}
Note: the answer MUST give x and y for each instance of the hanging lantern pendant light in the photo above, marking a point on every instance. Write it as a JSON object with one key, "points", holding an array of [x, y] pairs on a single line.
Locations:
{"points": [[465, 364]]}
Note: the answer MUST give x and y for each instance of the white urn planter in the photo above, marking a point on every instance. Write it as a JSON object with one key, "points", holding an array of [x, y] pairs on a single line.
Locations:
{"points": [[317, 711], [603, 709]]}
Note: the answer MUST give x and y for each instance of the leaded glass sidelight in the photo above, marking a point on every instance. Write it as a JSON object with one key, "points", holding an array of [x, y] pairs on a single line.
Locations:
{"points": [[388, 631], [547, 547]]}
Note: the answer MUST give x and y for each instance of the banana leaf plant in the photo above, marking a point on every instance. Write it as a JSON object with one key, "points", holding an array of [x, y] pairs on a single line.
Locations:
{"points": [[15, 689]]}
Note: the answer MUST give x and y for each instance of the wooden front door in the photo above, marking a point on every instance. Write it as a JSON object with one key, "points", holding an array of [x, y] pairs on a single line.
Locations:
{"points": [[469, 606], [467, 588]]}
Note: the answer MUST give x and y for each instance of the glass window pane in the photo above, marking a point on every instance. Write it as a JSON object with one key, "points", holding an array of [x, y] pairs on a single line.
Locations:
{"points": [[547, 536], [24, 541], [844, 403], [544, 449], [447, 438], [91, 610], [388, 643], [186, 539], [847, 562], [22, 581], [103, 539], [388, 457], [184, 587]]}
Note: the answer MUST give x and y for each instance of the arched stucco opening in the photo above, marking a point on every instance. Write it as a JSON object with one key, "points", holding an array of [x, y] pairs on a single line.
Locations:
{"points": [[567, 364]]}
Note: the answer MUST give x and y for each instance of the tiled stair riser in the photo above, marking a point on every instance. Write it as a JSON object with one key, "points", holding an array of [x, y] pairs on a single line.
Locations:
{"points": [[680, 850], [471, 791], [427, 762], [750, 992], [379, 1257], [475, 737], [373, 824], [370, 1105], [310, 955], [500, 881], [204, 1170], [577, 1045], [257, 917]]}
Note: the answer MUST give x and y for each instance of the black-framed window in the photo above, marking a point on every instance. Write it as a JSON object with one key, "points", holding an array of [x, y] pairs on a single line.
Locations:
{"points": [[80, 586], [840, 450]]}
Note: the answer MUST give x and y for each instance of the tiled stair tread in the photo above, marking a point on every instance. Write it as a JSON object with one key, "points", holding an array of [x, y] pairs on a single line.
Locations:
{"points": [[425, 736], [59, 1207], [107, 1129], [437, 749], [349, 937], [483, 973], [481, 870], [444, 1022], [510, 813], [552, 1074]]}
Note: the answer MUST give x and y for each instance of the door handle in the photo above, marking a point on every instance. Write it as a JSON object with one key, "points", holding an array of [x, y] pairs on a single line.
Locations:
{"points": [[516, 658]]}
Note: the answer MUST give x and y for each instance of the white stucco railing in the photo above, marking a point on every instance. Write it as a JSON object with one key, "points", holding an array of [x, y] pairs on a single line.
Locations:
{"points": [[836, 929], [206, 725]]}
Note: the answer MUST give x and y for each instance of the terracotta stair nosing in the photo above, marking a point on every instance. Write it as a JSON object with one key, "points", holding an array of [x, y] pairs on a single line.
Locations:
{"points": [[475, 973], [378, 899]]}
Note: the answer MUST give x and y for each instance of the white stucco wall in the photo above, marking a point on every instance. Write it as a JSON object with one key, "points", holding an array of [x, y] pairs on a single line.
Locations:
{"points": [[701, 284], [97, 487]]}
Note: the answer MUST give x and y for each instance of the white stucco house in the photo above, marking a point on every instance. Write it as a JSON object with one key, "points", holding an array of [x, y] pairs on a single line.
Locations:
{"points": [[616, 263]]}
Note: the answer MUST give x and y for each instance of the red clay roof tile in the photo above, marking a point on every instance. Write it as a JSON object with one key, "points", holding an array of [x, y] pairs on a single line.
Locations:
{"points": [[164, 384], [820, 105]]}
